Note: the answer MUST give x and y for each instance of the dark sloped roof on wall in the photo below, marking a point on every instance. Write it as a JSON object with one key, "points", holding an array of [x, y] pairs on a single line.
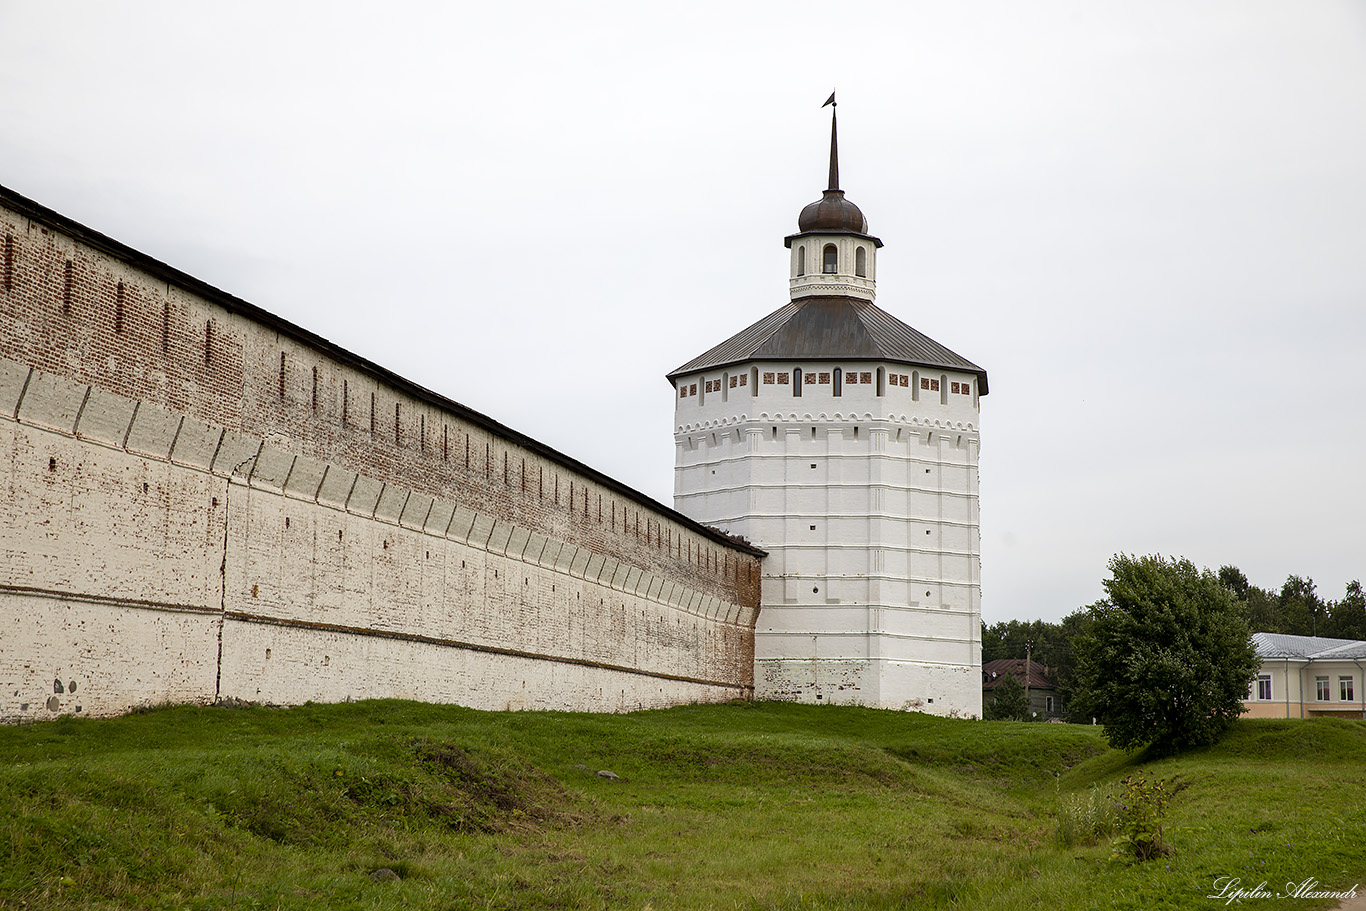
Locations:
{"points": [[832, 328], [158, 269]]}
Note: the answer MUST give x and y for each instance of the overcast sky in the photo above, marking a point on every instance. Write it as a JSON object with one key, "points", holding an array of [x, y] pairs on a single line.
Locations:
{"points": [[1146, 220]]}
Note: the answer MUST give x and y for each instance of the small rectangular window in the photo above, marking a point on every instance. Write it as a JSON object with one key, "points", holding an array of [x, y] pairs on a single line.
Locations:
{"points": [[1264, 687], [1321, 684], [1345, 689]]}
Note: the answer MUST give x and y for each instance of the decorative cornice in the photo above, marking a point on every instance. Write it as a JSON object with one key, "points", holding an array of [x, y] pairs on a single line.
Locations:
{"points": [[735, 422]]}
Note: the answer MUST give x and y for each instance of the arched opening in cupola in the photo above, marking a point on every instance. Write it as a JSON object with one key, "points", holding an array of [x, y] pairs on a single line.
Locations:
{"points": [[830, 260], [861, 262], [801, 259]]}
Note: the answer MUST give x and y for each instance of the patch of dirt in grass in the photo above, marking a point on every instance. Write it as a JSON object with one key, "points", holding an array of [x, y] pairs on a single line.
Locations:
{"points": [[481, 794]]}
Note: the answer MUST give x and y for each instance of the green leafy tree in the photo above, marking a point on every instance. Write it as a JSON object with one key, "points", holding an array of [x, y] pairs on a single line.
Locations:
{"points": [[1167, 660], [1008, 701], [1301, 606], [1074, 626], [1260, 608], [1347, 618], [1232, 578]]}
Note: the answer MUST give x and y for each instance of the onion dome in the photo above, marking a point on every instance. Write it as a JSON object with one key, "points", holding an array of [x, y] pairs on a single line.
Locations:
{"points": [[832, 213]]}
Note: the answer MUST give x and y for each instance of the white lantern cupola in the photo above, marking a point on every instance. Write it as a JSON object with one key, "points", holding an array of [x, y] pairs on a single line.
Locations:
{"points": [[833, 255]]}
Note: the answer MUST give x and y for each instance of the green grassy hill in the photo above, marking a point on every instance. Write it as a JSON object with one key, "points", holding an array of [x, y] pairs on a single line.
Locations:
{"points": [[396, 804]]}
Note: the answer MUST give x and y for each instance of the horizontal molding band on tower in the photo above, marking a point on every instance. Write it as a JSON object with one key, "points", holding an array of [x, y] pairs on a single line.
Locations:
{"points": [[901, 609], [870, 659], [867, 577], [827, 546], [736, 519]]}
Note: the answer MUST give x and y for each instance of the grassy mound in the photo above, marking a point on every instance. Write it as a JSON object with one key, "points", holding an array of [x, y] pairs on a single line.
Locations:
{"points": [[382, 804]]}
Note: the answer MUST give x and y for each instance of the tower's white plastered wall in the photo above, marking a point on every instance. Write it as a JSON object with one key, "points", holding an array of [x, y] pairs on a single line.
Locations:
{"points": [[868, 507]]}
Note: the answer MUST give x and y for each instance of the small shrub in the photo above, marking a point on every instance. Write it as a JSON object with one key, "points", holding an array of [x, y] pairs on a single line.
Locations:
{"points": [[1142, 805], [1087, 819]]}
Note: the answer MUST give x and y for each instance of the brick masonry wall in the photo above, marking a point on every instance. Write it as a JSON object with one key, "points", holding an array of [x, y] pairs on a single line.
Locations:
{"points": [[204, 502]]}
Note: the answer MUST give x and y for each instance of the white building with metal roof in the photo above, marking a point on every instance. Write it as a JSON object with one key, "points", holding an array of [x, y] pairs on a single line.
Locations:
{"points": [[1307, 677]]}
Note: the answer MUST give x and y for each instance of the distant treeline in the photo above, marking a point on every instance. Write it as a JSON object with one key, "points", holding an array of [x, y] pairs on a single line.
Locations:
{"points": [[1297, 609]]}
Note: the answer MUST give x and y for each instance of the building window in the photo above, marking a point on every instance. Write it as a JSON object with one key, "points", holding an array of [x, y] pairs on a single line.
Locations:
{"points": [[1321, 684], [1264, 687], [861, 262], [801, 260], [1345, 689], [796, 382], [837, 378], [1050, 706], [830, 258], [881, 381]]}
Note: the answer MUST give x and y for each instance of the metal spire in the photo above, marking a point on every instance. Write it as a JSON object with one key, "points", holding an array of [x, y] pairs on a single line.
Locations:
{"points": [[834, 146]]}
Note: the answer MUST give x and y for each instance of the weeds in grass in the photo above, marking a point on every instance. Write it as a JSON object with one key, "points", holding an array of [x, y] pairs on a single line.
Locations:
{"points": [[1087, 818], [1142, 807]]}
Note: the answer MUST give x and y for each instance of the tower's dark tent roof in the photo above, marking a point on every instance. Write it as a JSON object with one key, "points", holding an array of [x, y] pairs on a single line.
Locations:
{"points": [[832, 328]]}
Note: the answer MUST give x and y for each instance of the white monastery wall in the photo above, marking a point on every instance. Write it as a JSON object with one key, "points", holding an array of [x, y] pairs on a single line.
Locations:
{"points": [[201, 502]]}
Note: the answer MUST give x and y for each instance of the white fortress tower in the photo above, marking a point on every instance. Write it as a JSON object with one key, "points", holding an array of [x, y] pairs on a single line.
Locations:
{"points": [[845, 443]]}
